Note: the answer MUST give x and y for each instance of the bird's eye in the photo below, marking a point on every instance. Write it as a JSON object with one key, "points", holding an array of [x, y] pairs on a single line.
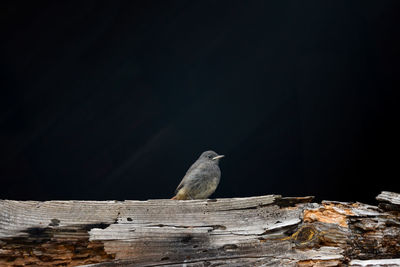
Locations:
{"points": [[209, 156]]}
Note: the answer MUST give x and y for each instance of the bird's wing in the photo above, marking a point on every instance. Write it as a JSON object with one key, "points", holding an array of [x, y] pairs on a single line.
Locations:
{"points": [[180, 186], [194, 166]]}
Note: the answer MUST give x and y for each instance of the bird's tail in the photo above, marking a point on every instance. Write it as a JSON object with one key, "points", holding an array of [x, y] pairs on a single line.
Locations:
{"points": [[180, 196]]}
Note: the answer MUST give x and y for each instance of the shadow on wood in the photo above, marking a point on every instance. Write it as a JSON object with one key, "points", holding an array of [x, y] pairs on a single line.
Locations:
{"points": [[254, 231]]}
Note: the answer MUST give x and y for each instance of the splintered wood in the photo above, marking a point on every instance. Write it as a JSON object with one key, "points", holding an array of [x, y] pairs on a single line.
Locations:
{"points": [[255, 231]]}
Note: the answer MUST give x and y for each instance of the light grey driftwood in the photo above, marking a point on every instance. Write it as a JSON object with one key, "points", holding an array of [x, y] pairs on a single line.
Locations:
{"points": [[254, 231], [389, 200]]}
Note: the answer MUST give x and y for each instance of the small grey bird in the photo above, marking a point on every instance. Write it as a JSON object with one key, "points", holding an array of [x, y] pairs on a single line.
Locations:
{"points": [[202, 178]]}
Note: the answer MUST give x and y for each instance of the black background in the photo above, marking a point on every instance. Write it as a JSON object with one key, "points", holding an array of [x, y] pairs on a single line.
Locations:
{"points": [[115, 100]]}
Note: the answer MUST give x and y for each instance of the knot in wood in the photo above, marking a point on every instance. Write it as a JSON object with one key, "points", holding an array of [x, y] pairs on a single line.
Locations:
{"points": [[305, 236]]}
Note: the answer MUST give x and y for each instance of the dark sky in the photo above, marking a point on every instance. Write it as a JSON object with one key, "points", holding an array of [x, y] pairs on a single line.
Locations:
{"points": [[115, 100]]}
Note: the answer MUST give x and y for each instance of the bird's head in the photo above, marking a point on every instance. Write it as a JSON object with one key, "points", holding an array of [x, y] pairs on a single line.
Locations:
{"points": [[211, 156]]}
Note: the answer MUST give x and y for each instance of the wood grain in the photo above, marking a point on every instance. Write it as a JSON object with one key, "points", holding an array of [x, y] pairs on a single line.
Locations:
{"points": [[254, 231]]}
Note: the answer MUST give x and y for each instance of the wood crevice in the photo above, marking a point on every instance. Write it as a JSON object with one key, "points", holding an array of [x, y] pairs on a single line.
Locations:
{"points": [[252, 231]]}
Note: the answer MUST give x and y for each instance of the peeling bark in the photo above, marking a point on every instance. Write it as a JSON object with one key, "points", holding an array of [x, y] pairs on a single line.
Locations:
{"points": [[255, 231]]}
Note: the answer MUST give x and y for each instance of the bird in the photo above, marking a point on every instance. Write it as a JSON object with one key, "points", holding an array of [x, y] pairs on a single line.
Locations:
{"points": [[201, 179]]}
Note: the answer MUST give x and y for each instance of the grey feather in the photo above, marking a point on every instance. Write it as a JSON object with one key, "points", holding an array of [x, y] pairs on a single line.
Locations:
{"points": [[202, 178]]}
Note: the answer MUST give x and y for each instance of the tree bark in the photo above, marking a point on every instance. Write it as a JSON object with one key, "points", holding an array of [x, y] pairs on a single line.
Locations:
{"points": [[254, 231]]}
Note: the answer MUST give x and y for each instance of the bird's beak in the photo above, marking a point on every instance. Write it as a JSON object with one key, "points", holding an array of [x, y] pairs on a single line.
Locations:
{"points": [[218, 157]]}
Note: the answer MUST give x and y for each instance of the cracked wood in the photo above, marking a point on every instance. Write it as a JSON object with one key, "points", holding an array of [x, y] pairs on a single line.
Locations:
{"points": [[250, 231]]}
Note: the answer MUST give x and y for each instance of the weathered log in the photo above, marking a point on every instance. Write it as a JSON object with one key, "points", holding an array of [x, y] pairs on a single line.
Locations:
{"points": [[254, 231]]}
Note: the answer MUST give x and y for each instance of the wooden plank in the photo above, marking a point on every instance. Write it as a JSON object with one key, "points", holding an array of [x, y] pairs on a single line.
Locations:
{"points": [[389, 201], [390, 197], [253, 231], [371, 263]]}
